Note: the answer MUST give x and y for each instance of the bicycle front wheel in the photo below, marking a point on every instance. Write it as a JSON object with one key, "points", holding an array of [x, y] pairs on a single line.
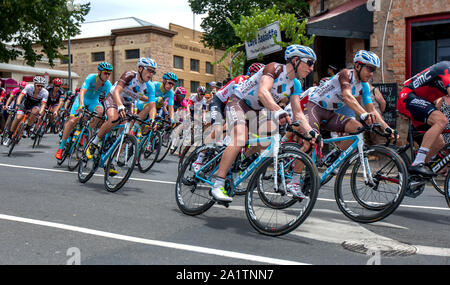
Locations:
{"points": [[447, 189], [270, 208], [371, 199], [149, 151], [192, 194], [87, 167], [166, 142], [121, 164]]}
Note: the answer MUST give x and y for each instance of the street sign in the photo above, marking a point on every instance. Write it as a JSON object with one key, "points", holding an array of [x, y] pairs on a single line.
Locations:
{"points": [[264, 43]]}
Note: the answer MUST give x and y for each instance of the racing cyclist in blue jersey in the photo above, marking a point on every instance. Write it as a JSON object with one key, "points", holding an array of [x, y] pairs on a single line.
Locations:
{"points": [[265, 89], [96, 85], [163, 92], [131, 86]]}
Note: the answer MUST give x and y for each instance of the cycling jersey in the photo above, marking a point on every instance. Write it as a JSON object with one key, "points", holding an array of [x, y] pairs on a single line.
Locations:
{"points": [[194, 100], [282, 86], [54, 99], [161, 92], [133, 89], [2, 94], [92, 92], [225, 92], [329, 95], [416, 100], [42, 96]]}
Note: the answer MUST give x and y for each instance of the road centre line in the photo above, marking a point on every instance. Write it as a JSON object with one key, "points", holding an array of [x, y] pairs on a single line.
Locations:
{"points": [[173, 183], [191, 248]]}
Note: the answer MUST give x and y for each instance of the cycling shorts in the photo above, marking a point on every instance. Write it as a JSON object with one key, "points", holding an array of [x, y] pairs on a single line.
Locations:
{"points": [[90, 104], [414, 107], [217, 108], [28, 105], [320, 118]]}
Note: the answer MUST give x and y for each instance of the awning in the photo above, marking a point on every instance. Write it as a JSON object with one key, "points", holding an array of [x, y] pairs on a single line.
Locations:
{"points": [[350, 20], [25, 69]]}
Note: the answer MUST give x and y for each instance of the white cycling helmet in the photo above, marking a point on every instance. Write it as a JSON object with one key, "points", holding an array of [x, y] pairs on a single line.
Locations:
{"points": [[300, 51], [367, 57], [39, 80], [147, 62]]}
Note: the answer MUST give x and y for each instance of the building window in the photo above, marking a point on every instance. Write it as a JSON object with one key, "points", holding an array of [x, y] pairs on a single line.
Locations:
{"points": [[178, 62], [98, 56], [65, 59], [179, 83], [195, 65], [194, 86], [132, 54], [209, 68]]}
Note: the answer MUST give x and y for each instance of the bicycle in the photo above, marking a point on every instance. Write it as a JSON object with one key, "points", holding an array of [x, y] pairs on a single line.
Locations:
{"points": [[166, 141], [41, 129], [18, 133], [377, 181], [149, 147], [78, 138], [437, 164], [11, 116], [117, 152], [191, 190]]}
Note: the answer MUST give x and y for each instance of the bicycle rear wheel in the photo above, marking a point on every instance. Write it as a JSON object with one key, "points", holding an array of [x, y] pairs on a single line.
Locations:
{"points": [[77, 151], [15, 139], [122, 160], [272, 210], [447, 189], [192, 194], [87, 167], [365, 201], [149, 151], [166, 142]]}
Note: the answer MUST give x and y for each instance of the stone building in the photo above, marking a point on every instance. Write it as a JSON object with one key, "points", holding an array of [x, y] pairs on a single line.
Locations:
{"points": [[122, 42], [407, 35]]}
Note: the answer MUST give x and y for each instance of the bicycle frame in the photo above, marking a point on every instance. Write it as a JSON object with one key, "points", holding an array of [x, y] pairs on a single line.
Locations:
{"points": [[119, 140], [358, 144], [272, 148]]}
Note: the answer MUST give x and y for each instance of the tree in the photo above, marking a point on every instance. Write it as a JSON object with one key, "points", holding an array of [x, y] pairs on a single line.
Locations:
{"points": [[45, 23], [247, 30], [219, 34]]}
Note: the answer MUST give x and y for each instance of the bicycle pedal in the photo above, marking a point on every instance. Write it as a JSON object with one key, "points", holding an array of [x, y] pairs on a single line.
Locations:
{"points": [[225, 204]]}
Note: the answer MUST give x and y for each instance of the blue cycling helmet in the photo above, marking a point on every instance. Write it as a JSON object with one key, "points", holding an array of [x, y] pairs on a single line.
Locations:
{"points": [[300, 51], [170, 76], [367, 57], [104, 66]]}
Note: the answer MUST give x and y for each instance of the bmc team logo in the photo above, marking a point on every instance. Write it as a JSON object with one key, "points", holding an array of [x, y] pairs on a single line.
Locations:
{"points": [[374, 5]]}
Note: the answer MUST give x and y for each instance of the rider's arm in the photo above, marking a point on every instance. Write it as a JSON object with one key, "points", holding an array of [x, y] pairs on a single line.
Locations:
{"points": [[347, 96], [81, 97], [380, 99], [264, 95]]}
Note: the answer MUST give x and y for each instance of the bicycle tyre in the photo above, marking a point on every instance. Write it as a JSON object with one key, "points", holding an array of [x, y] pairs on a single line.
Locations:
{"points": [[363, 211], [128, 141], [201, 201], [85, 177], [16, 139], [77, 152], [145, 152], [292, 221], [164, 150], [447, 189], [183, 156]]}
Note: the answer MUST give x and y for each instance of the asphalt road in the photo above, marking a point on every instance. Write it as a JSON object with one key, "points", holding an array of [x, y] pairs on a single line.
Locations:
{"points": [[48, 217]]}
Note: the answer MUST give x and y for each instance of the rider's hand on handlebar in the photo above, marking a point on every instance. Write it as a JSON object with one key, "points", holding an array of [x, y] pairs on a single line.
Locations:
{"points": [[121, 110]]}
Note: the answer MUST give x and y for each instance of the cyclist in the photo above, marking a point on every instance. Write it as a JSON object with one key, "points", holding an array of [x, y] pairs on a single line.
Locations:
{"points": [[11, 102], [132, 85], [342, 90], [416, 101], [198, 99], [164, 95], [96, 85], [180, 106], [55, 99], [32, 98], [70, 98], [265, 89]]}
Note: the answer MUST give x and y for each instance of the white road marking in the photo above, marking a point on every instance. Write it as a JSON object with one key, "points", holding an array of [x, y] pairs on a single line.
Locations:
{"points": [[191, 248], [325, 232]]}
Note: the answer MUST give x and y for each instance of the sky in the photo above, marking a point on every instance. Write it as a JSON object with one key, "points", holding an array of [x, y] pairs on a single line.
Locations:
{"points": [[158, 12]]}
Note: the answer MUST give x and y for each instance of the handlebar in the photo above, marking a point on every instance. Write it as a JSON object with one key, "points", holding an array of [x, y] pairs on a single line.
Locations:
{"points": [[376, 127]]}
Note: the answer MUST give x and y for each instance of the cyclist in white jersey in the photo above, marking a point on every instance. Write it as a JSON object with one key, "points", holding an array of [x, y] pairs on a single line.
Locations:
{"points": [[264, 90], [342, 90], [32, 98], [132, 85]]}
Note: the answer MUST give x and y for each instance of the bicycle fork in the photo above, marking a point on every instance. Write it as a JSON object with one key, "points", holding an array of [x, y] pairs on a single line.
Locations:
{"points": [[367, 173]]}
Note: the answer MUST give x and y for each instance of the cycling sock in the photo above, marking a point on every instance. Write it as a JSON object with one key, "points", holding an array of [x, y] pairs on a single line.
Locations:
{"points": [[220, 182], [421, 155], [95, 141], [63, 143], [296, 178], [200, 158]]}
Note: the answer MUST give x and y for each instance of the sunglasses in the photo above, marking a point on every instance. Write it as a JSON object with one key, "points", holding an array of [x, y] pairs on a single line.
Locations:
{"points": [[170, 83], [106, 72], [308, 61], [152, 71], [41, 86], [371, 68]]}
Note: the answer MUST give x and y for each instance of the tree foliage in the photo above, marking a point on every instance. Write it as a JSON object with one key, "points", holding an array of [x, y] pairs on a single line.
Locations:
{"points": [[219, 34], [46, 23], [247, 30]]}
